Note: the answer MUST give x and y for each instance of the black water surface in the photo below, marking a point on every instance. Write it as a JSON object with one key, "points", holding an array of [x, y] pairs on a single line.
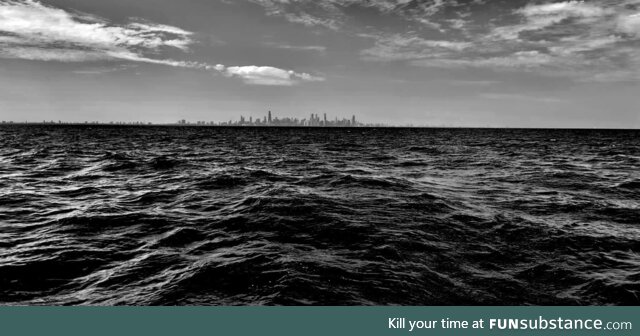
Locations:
{"points": [[96, 215]]}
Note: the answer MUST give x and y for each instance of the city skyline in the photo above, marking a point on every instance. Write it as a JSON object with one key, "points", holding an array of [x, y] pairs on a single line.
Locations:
{"points": [[270, 119], [480, 63]]}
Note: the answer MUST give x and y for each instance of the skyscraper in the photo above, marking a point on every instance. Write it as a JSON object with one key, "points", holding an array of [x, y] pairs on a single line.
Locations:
{"points": [[269, 117]]}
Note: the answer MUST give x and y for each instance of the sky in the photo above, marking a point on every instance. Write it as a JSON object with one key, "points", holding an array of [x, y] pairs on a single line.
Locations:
{"points": [[476, 63]]}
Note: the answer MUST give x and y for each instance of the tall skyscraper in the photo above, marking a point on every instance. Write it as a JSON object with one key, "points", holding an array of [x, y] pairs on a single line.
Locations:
{"points": [[269, 117]]}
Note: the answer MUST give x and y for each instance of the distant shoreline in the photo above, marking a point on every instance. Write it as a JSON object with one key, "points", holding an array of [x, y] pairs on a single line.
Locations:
{"points": [[308, 127]]}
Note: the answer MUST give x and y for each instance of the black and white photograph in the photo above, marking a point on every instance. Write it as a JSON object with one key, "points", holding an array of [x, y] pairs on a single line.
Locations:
{"points": [[319, 153]]}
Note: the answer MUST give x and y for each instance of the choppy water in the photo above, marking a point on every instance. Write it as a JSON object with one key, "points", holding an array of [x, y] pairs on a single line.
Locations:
{"points": [[242, 216]]}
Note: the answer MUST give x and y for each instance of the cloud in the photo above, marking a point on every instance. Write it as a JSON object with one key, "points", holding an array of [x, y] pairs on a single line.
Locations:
{"points": [[331, 14], [564, 9], [266, 75], [630, 24], [35, 31], [406, 47], [292, 11], [103, 70], [32, 31], [310, 48], [541, 16], [522, 59], [577, 39], [304, 48], [311, 21]]}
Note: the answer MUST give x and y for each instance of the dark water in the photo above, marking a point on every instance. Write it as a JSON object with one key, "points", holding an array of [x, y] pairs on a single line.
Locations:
{"points": [[224, 216]]}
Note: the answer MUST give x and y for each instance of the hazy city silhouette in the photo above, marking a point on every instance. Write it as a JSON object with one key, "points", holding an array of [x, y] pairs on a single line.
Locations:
{"points": [[314, 120], [270, 120]]}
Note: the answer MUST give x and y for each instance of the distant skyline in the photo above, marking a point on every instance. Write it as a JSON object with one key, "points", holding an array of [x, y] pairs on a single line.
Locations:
{"points": [[477, 63], [269, 119]]}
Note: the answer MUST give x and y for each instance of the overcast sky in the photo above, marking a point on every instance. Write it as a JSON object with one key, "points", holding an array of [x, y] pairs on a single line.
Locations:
{"points": [[514, 63]]}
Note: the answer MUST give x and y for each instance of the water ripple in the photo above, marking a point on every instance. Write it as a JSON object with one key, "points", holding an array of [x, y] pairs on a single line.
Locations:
{"points": [[250, 216]]}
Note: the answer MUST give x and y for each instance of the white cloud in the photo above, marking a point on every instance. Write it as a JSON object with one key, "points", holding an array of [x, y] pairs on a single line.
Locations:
{"points": [[312, 48], [311, 21], [630, 24], [564, 9], [519, 60], [330, 13], [32, 31], [406, 47], [541, 16], [39, 32], [52, 54], [103, 70], [266, 75], [577, 39], [573, 45]]}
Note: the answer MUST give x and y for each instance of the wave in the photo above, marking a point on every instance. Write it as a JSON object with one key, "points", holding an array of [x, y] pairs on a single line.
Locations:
{"points": [[216, 216]]}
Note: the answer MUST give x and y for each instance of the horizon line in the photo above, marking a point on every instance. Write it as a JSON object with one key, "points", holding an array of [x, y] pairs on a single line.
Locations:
{"points": [[150, 124]]}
